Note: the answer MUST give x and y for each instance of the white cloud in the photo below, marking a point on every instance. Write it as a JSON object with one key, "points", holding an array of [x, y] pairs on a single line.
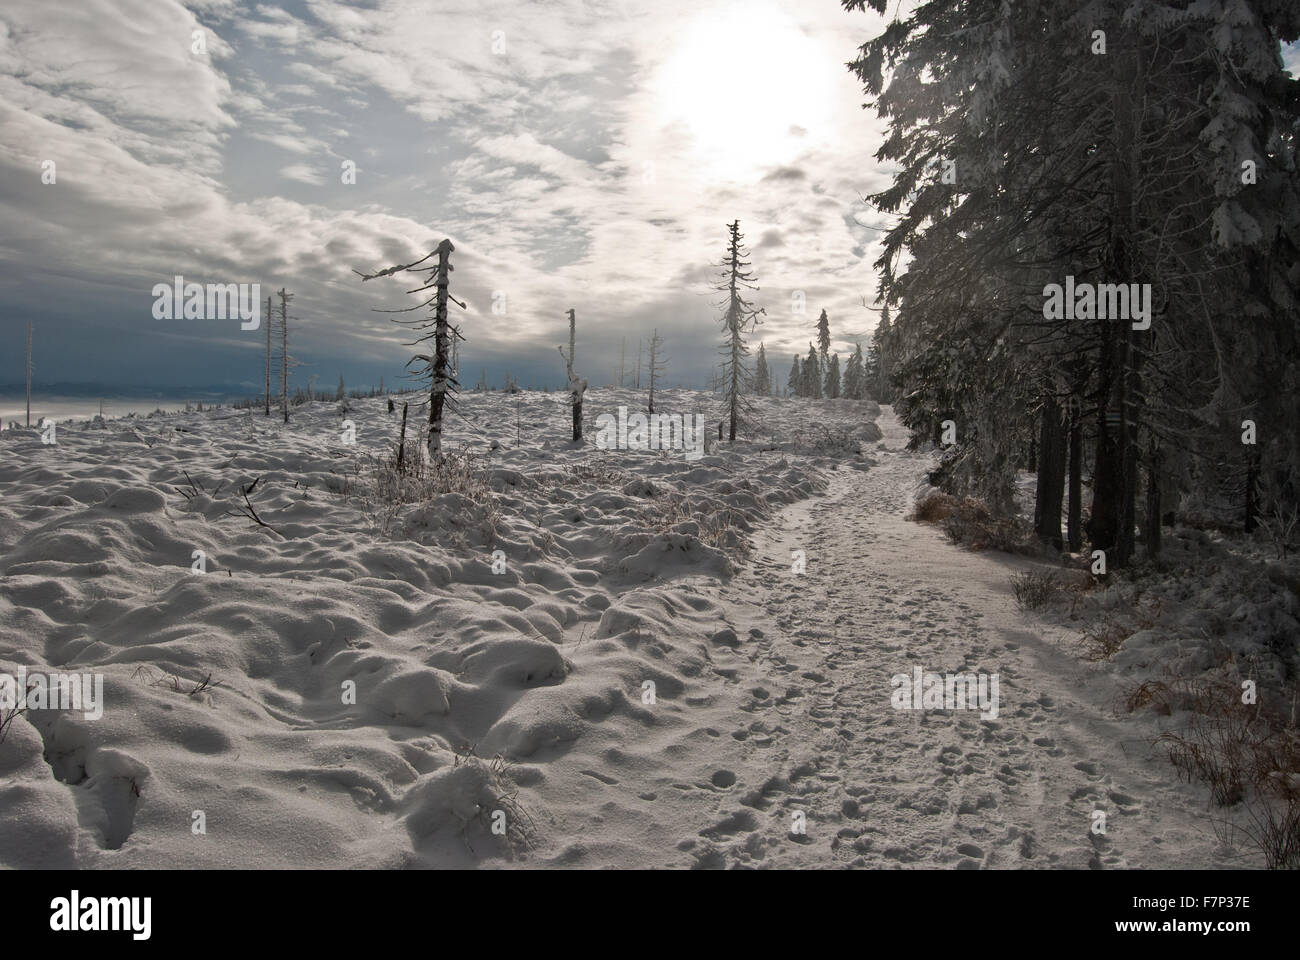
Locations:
{"points": [[303, 174]]}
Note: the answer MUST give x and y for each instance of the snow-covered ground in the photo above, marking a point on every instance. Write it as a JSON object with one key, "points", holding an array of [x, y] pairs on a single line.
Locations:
{"points": [[582, 657]]}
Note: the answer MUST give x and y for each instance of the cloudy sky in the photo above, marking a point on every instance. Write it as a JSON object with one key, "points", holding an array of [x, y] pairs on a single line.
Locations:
{"points": [[579, 153]]}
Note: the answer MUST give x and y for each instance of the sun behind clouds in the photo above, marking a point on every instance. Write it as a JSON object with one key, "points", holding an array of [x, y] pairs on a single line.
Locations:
{"points": [[748, 88]]}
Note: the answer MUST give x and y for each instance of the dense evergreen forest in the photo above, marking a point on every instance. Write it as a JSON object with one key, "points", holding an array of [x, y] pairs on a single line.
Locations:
{"points": [[1090, 260]]}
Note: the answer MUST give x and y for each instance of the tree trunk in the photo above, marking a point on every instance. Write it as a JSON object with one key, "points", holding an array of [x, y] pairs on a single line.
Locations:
{"points": [[29, 373], [284, 354], [1129, 451], [1151, 527], [268, 356], [1111, 525], [1103, 520], [1051, 475], [401, 443], [1073, 523], [441, 351], [577, 387], [1252, 490]]}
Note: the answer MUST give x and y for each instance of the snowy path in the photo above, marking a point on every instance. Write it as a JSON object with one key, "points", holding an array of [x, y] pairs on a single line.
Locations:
{"points": [[881, 786], [810, 726]]}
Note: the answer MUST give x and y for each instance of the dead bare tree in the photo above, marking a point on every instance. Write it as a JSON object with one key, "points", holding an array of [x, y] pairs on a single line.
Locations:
{"points": [[436, 366], [576, 387], [29, 373], [268, 356], [658, 363], [401, 443], [285, 297]]}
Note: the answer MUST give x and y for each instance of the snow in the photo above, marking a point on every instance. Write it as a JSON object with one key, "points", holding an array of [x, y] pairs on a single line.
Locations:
{"points": [[648, 682]]}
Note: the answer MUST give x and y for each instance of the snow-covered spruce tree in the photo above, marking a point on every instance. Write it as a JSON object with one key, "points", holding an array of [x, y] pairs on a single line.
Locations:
{"points": [[823, 350], [762, 376], [577, 387], [658, 363], [436, 366], [877, 369], [833, 378], [794, 382], [740, 318], [954, 279], [853, 375], [812, 375]]}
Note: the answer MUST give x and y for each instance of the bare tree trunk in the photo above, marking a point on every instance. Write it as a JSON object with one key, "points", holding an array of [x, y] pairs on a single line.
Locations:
{"points": [[284, 353], [438, 392], [401, 443], [576, 386], [268, 356], [654, 348], [29, 373]]}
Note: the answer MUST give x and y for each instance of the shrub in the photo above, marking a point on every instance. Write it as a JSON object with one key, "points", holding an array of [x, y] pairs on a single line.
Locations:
{"points": [[1245, 755], [1104, 640], [973, 524], [934, 507], [1035, 589], [418, 479]]}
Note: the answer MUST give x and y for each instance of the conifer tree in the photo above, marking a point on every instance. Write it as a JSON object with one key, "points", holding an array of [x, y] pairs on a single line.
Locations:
{"points": [[812, 375], [823, 350], [740, 318], [762, 376], [853, 375]]}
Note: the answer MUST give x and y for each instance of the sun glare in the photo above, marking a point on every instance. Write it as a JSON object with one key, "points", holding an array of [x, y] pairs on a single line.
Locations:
{"points": [[748, 88]]}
